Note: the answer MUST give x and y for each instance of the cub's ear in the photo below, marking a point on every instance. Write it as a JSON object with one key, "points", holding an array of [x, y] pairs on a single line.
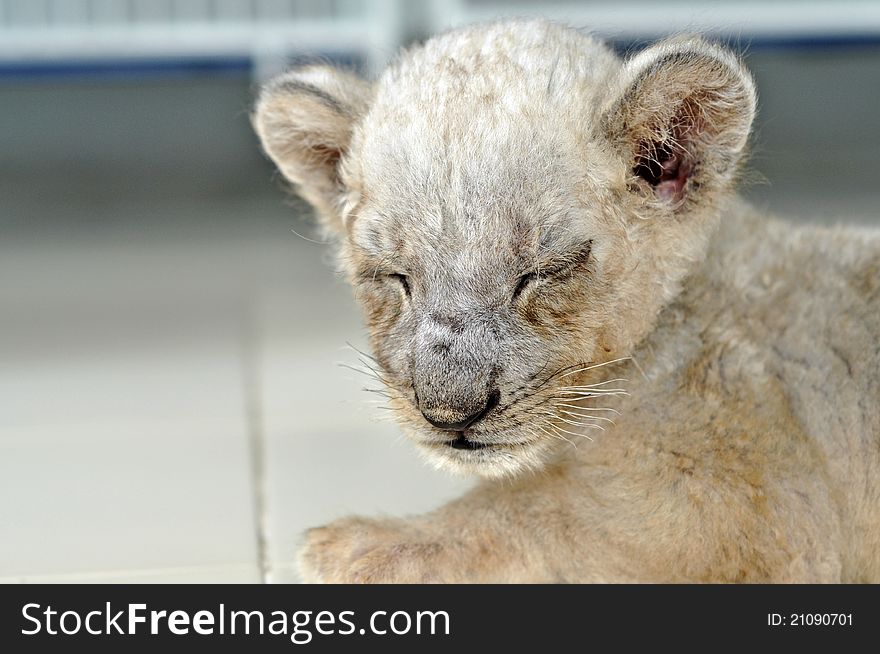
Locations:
{"points": [[305, 120], [681, 118]]}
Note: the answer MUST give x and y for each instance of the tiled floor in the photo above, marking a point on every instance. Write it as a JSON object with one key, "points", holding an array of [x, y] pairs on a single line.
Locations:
{"points": [[171, 407]]}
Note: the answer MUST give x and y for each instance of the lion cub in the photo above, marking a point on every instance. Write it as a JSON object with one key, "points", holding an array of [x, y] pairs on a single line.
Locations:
{"points": [[565, 296]]}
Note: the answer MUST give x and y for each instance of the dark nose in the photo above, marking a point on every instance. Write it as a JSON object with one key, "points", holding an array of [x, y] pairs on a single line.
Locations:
{"points": [[461, 425]]}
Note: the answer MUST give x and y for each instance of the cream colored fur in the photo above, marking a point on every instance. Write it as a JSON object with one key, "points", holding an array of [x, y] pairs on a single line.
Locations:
{"points": [[673, 387]]}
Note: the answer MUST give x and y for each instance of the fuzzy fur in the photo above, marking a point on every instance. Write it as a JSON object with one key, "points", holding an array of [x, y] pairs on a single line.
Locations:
{"points": [[541, 231]]}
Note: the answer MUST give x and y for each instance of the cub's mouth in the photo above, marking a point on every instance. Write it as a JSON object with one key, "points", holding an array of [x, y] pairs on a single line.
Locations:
{"points": [[462, 442], [464, 454], [462, 449]]}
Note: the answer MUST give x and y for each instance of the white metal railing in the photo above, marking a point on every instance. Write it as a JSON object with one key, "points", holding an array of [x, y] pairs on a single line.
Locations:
{"points": [[635, 19], [268, 31], [265, 30]]}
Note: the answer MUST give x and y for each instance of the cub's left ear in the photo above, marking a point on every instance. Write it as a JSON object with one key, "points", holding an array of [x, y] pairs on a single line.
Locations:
{"points": [[681, 118]]}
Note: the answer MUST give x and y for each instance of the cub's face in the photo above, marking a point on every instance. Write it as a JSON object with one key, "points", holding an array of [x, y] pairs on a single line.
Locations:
{"points": [[513, 206], [484, 270]]}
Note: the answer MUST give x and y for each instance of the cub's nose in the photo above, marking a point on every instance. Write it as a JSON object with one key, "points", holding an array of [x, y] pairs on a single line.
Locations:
{"points": [[460, 425]]}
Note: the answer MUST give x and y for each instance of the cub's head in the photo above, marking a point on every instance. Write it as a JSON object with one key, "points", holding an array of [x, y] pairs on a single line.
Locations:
{"points": [[513, 205]]}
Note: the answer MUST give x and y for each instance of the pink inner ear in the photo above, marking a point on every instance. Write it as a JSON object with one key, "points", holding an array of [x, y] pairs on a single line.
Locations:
{"points": [[672, 180], [666, 168]]}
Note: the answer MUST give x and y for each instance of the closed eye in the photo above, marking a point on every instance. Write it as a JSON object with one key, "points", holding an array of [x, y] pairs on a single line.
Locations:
{"points": [[563, 268], [403, 281], [523, 282]]}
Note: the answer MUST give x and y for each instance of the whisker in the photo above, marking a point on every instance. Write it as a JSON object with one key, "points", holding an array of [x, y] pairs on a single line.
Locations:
{"points": [[596, 365], [363, 370], [575, 423], [362, 353], [369, 372], [586, 415], [558, 437], [590, 408], [593, 394], [609, 381], [370, 364], [580, 424], [639, 368], [377, 392], [561, 399], [553, 376], [573, 433]]}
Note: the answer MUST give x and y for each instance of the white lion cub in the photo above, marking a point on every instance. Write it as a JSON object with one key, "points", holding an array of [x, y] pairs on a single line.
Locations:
{"points": [[563, 291]]}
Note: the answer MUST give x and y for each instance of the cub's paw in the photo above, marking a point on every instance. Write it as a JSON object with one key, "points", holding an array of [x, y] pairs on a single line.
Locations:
{"points": [[361, 550]]}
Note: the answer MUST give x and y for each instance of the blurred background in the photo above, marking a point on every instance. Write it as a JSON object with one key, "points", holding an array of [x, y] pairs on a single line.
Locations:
{"points": [[170, 407]]}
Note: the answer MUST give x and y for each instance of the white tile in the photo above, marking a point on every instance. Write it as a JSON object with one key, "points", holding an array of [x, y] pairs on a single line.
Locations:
{"points": [[123, 435], [201, 382], [118, 496]]}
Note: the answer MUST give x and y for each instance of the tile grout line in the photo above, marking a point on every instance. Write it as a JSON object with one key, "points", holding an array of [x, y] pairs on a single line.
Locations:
{"points": [[141, 573], [252, 388]]}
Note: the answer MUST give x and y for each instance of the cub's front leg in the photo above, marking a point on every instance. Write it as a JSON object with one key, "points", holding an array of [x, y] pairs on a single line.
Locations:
{"points": [[366, 550], [483, 537]]}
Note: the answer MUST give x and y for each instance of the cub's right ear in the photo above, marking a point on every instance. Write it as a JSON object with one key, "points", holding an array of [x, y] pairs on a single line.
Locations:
{"points": [[305, 120]]}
